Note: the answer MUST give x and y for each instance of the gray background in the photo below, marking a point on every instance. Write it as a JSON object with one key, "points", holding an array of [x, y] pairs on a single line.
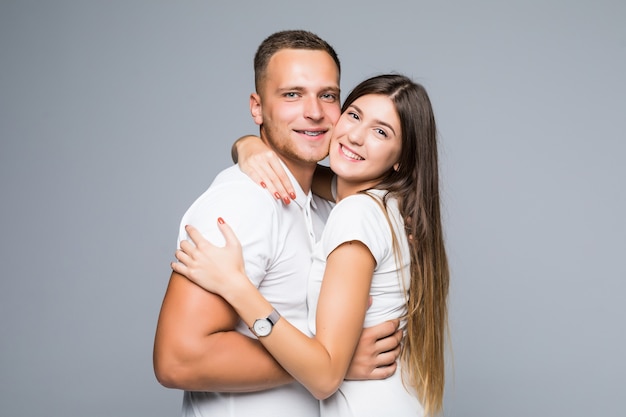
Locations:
{"points": [[115, 115]]}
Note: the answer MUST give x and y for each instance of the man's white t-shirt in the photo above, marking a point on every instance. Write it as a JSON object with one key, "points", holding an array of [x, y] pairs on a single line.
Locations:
{"points": [[277, 242]]}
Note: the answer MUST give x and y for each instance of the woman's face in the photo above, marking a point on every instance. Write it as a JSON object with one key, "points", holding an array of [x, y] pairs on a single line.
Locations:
{"points": [[366, 142]]}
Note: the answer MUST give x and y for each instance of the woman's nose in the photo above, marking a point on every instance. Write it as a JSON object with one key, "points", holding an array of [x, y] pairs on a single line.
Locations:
{"points": [[355, 135]]}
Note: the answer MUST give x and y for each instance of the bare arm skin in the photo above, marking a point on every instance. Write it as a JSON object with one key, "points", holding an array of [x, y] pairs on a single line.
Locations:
{"points": [[340, 315], [196, 348], [379, 347], [263, 166]]}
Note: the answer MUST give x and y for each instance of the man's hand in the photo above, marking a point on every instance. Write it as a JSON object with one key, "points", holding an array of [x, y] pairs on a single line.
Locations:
{"points": [[376, 354]]}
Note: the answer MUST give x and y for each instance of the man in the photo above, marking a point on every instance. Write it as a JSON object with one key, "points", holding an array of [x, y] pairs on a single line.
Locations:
{"points": [[201, 346]]}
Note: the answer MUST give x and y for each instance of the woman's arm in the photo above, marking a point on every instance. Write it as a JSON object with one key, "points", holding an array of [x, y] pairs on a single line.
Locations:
{"points": [[262, 165], [319, 363]]}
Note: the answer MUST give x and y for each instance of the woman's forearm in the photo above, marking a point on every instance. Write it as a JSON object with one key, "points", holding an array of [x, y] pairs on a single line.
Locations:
{"points": [[302, 356], [319, 363]]}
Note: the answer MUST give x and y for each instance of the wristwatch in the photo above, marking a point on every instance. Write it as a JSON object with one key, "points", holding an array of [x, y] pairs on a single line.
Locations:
{"points": [[263, 327]]}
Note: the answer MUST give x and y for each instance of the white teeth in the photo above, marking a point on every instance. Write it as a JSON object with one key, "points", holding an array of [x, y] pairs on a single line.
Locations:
{"points": [[351, 155], [308, 133]]}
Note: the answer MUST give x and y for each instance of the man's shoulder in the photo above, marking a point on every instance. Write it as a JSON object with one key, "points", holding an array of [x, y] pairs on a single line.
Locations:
{"points": [[232, 174], [233, 192], [231, 182]]}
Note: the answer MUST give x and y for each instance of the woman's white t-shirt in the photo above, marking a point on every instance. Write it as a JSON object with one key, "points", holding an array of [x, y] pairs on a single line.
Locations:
{"points": [[361, 217]]}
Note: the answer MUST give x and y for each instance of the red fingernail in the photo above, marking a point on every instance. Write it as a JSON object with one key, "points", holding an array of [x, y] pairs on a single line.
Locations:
{"points": [[220, 220], [292, 195], [277, 195], [286, 200], [263, 184]]}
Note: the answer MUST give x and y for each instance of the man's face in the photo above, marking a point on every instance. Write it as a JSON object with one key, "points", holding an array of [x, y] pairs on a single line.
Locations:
{"points": [[298, 105]]}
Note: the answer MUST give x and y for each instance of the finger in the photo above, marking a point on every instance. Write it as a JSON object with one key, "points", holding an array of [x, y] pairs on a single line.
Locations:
{"points": [[229, 236], [282, 181], [389, 343], [186, 246], [196, 236], [183, 257], [387, 358], [384, 372], [383, 330], [273, 175], [272, 181], [179, 268], [257, 168], [266, 179], [261, 180], [254, 176]]}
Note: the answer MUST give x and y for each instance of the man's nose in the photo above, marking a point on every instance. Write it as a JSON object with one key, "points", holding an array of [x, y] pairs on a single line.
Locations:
{"points": [[313, 109]]}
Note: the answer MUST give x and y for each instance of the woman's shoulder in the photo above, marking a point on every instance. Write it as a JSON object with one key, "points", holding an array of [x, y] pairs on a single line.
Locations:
{"points": [[365, 201], [361, 207]]}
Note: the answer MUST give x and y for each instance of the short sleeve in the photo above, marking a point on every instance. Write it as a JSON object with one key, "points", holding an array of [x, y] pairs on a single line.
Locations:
{"points": [[249, 212], [358, 217]]}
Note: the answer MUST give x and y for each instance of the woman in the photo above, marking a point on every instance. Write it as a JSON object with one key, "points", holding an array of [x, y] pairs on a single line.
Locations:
{"points": [[383, 240]]}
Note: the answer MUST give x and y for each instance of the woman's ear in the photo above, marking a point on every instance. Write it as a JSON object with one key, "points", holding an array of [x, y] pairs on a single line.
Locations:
{"points": [[396, 166], [255, 109]]}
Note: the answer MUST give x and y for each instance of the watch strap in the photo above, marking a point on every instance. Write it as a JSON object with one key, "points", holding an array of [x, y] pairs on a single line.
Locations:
{"points": [[274, 317]]}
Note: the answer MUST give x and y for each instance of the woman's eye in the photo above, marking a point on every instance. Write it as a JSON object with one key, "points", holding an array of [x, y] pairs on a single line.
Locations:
{"points": [[353, 115], [381, 132]]}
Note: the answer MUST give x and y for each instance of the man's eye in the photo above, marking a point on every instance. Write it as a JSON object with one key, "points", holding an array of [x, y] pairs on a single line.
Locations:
{"points": [[329, 97], [291, 95]]}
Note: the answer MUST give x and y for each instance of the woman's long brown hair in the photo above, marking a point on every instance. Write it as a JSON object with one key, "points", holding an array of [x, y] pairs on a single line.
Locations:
{"points": [[416, 187]]}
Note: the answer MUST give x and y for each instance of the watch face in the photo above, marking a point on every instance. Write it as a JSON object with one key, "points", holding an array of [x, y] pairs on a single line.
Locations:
{"points": [[262, 327]]}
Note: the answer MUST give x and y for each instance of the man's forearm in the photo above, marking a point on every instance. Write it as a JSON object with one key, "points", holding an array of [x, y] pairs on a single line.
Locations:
{"points": [[230, 362], [196, 349]]}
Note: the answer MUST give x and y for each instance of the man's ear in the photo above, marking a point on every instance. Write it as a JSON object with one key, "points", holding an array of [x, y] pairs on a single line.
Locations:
{"points": [[255, 108]]}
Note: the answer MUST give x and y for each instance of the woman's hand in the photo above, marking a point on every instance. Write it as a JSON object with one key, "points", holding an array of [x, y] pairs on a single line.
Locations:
{"points": [[219, 270], [262, 165]]}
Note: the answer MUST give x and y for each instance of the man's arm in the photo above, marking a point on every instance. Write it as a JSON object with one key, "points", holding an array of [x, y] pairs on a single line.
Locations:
{"points": [[196, 348]]}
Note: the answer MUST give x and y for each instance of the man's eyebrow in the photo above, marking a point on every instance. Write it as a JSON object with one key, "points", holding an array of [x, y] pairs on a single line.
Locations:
{"points": [[291, 88], [376, 121], [334, 89]]}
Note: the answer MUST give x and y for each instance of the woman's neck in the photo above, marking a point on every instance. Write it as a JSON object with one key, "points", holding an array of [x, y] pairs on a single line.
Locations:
{"points": [[348, 188]]}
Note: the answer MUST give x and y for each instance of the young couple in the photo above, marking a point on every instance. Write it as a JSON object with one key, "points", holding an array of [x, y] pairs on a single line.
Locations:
{"points": [[380, 258]]}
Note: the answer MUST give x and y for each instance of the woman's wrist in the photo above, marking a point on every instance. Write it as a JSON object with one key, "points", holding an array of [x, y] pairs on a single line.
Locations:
{"points": [[234, 150], [249, 303]]}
